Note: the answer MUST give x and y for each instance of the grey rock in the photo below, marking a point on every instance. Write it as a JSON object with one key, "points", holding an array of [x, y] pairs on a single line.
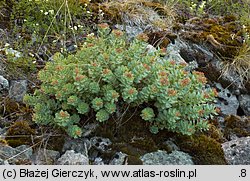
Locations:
{"points": [[19, 154], [78, 145], [45, 157], [18, 89], [26, 149], [131, 31], [4, 84], [1, 162], [100, 143], [227, 102], [237, 151], [173, 52], [163, 158], [71, 48], [216, 72], [98, 161], [245, 103], [118, 159], [72, 158]]}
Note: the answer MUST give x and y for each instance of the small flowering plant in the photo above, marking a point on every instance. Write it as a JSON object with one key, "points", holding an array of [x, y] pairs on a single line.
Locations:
{"points": [[109, 72]]}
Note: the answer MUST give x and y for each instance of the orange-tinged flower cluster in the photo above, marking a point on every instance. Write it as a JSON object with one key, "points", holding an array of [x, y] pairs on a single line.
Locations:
{"points": [[217, 110], [146, 66], [117, 33], [201, 112], [164, 80], [103, 25], [203, 80], [172, 92], [106, 71], [99, 103], [90, 45], [119, 50], [185, 82], [178, 114], [200, 77], [206, 95], [59, 67], [54, 82], [131, 91], [198, 73], [172, 62], [78, 132], [64, 114], [115, 95], [128, 75], [142, 37], [184, 72], [79, 77], [94, 64], [163, 73], [215, 92], [77, 70]]}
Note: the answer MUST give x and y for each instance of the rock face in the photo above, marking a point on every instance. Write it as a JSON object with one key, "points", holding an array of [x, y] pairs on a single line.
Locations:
{"points": [[72, 158], [118, 159], [45, 157], [19, 155], [245, 103], [237, 151], [163, 158], [227, 102], [78, 145], [18, 89], [4, 84]]}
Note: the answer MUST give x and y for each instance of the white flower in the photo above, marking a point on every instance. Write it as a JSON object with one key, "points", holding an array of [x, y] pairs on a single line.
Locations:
{"points": [[46, 13], [91, 34], [51, 11], [7, 44], [88, 12]]}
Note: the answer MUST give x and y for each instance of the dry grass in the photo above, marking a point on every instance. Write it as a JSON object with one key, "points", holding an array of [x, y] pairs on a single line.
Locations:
{"points": [[240, 63], [142, 12]]}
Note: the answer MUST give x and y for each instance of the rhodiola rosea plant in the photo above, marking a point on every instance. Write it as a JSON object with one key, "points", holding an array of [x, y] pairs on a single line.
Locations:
{"points": [[109, 70]]}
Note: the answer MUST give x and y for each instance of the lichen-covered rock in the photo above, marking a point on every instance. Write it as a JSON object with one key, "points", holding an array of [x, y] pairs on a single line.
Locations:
{"points": [[244, 100], [4, 84], [18, 155], [72, 158], [45, 157], [118, 159], [237, 151], [78, 145], [227, 102], [163, 158], [18, 89], [100, 143]]}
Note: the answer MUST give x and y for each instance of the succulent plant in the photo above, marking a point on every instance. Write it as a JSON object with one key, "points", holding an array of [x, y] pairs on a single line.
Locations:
{"points": [[108, 72]]}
